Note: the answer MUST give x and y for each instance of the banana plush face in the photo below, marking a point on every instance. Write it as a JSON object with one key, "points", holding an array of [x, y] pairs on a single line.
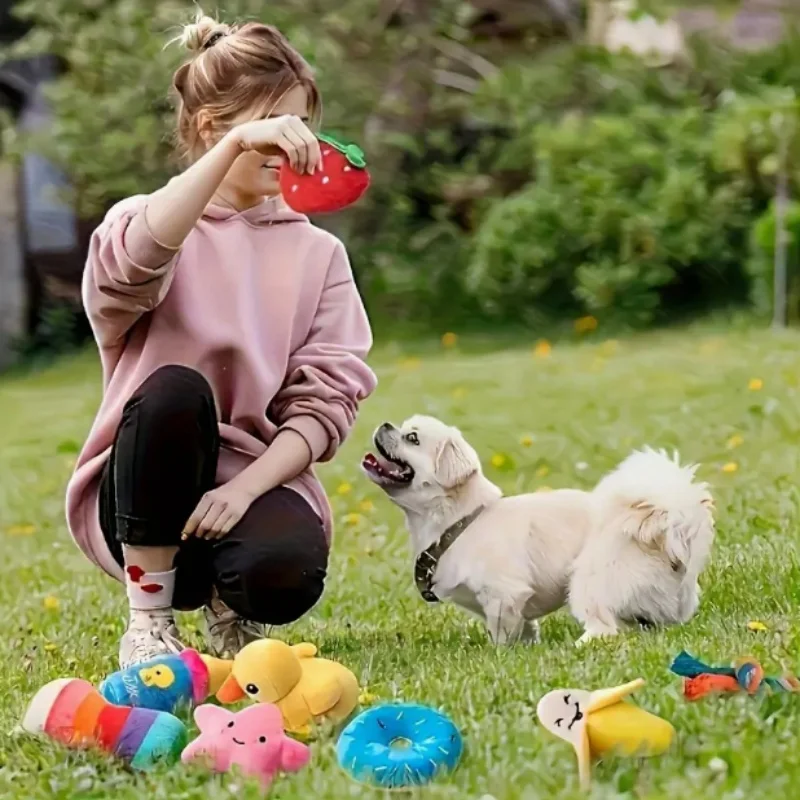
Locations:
{"points": [[599, 723], [563, 713]]}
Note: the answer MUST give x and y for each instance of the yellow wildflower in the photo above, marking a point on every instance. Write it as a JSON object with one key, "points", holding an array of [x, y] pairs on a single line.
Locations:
{"points": [[755, 625], [459, 393], [51, 603], [711, 346], [755, 385], [526, 441], [344, 488], [610, 347], [49, 648], [730, 467], [21, 530], [585, 324], [735, 441], [449, 339], [366, 506], [498, 460], [543, 471], [543, 349], [353, 519], [366, 698], [410, 363], [598, 365]]}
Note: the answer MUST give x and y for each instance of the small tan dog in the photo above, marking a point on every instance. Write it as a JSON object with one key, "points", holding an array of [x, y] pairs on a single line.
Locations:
{"points": [[628, 552]]}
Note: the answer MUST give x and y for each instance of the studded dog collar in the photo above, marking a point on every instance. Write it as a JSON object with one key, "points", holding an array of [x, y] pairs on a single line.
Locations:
{"points": [[427, 561]]}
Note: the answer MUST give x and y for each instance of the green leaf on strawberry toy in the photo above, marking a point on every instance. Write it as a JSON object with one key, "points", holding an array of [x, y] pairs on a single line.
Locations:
{"points": [[341, 181]]}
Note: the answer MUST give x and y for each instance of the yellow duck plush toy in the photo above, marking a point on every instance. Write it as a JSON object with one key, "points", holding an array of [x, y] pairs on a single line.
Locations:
{"points": [[305, 689], [600, 723]]}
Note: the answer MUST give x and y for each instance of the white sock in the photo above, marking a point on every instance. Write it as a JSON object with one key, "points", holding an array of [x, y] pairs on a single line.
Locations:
{"points": [[148, 591]]}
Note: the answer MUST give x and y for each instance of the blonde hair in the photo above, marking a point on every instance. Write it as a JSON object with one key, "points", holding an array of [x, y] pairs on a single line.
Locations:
{"points": [[234, 69]]}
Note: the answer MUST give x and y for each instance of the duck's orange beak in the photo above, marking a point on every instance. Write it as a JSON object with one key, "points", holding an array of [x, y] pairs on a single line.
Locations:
{"points": [[230, 691]]}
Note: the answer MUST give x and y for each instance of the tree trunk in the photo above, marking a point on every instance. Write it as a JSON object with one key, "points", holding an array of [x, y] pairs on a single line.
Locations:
{"points": [[599, 17], [780, 275], [403, 108], [13, 300]]}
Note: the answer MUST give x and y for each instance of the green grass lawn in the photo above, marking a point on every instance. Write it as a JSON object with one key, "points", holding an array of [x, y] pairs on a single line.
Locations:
{"points": [[728, 400]]}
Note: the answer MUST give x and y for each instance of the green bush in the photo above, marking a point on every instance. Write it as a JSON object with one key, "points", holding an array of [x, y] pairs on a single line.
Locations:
{"points": [[571, 181], [628, 219]]}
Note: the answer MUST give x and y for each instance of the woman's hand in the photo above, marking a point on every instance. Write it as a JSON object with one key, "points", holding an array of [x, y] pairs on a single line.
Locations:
{"points": [[217, 512], [287, 133]]}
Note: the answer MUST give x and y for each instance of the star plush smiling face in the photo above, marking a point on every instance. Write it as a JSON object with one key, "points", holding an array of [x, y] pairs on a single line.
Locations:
{"points": [[252, 739]]}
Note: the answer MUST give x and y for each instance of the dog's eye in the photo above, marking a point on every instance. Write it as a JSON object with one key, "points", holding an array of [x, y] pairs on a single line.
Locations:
{"points": [[558, 722], [412, 438]]}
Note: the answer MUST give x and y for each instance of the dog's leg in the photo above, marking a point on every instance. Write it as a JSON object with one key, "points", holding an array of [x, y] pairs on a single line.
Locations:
{"points": [[504, 619], [530, 632], [596, 628], [688, 601], [530, 627]]}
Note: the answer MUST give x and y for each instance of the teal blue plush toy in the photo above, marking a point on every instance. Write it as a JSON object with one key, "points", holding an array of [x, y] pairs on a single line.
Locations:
{"points": [[168, 682], [399, 746]]}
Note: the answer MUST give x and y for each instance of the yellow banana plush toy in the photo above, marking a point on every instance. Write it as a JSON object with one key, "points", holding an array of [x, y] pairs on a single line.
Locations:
{"points": [[600, 723]]}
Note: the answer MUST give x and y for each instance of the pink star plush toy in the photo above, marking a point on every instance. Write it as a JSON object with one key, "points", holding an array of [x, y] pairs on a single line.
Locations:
{"points": [[252, 739]]}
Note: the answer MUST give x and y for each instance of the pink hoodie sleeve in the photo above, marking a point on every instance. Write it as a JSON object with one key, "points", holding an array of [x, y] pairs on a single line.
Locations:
{"points": [[127, 272], [327, 376]]}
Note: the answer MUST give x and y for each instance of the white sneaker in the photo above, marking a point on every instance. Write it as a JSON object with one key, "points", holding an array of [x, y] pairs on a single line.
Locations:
{"points": [[150, 634], [226, 632]]}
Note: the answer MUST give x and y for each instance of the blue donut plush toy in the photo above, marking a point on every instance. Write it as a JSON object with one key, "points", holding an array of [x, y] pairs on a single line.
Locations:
{"points": [[399, 745]]}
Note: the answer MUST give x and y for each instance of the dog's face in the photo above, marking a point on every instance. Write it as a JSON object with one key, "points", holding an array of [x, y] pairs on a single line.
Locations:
{"points": [[420, 461]]}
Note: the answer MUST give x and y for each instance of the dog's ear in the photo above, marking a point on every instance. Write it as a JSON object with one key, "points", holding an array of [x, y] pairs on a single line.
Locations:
{"points": [[455, 461]]}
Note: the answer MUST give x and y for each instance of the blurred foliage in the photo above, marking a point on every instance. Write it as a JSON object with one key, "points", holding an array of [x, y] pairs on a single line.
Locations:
{"points": [[518, 174], [762, 260]]}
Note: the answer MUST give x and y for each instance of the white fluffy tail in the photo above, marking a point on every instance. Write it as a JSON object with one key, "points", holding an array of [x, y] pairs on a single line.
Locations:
{"points": [[658, 503]]}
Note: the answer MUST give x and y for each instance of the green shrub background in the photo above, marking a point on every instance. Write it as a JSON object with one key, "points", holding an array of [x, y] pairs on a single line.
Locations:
{"points": [[564, 182]]}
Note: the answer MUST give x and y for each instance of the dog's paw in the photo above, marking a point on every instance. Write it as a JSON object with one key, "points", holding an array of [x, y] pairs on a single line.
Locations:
{"points": [[589, 636]]}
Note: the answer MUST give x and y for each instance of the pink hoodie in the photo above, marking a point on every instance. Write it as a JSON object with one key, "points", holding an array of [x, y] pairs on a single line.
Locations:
{"points": [[261, 302]]}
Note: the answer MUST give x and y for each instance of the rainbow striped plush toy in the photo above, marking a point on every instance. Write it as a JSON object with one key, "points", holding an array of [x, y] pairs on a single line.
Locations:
{"points": [[73, 712]]}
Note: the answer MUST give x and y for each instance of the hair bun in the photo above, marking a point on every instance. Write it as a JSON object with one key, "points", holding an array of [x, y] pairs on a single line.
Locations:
{"points": [[202, 33]]}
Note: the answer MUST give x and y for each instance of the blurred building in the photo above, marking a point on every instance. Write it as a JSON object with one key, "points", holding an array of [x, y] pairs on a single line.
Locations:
{"points": [[756, 24], [40, 252]]}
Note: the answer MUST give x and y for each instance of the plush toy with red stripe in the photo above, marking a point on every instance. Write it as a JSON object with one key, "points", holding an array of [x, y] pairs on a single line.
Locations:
{"points": [[73, 712], [340, 182]]}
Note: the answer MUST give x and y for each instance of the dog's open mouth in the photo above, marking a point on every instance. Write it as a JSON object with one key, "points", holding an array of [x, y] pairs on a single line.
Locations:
{"points": [[382, 468]]}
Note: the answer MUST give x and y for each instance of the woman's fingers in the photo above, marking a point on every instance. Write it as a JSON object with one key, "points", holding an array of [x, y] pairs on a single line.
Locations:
{"points": [[297, 150], [209, 523], [227, 525], [313, 152], [197, 515]]}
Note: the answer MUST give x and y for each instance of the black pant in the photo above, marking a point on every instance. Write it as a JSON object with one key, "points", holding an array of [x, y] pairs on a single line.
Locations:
{"points": [[270, 568]]}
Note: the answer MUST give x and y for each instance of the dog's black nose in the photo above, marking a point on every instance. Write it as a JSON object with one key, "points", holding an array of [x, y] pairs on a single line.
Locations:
{"points": [[387, 426]]}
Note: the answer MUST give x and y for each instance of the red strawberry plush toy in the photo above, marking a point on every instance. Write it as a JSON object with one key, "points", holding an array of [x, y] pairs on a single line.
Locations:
{"points": [[341, 181]]}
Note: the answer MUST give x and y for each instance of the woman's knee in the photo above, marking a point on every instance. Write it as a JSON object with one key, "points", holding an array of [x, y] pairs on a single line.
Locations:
{"points": [[274, 590], [173, 393]]}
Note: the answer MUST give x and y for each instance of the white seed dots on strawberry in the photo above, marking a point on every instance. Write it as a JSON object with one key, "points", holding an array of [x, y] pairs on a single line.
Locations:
{"points": [[347, 169], [294, 188], [326, 179]]}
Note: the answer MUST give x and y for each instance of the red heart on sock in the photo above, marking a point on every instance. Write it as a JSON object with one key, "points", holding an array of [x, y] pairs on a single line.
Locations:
{"points": [[135, 573], [151, 588]]}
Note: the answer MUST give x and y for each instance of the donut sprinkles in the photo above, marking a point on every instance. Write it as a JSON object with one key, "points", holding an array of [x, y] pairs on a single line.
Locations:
{"points": [[399, 746]]}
